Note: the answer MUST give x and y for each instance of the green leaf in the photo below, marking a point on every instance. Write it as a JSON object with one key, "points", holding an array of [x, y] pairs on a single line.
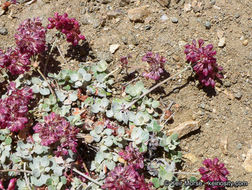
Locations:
{"points": [[44, 91], [36, 80], [101, 66], [74, 77], [60, 95], [73, 96], [156, 183], [8, 140], [155, 104]]}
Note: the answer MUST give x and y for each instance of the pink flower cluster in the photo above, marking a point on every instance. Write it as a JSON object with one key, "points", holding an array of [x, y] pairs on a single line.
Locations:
{"points": [[14, 108], [68, 26], [11, 185], [56, 129], [125, 178], [203, 62], [133, 157], [30, 40], [31, 37], [156, 65], [213, 171]]}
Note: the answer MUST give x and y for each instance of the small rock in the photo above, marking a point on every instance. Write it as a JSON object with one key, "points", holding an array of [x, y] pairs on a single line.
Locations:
{"points": [[208, 25], [164, 17], [222, 42], [123, 3], [113, 14], [238, 95], [247, 164], [3, 31], [174, 20], [185, 128], [164, 3], [220, 34], [239, 146], [107, 56], [250, 56], [245, 42], [187, 7], [176, 58], [191, 157], [124, 40], [147, 27], [227, 83], [224, 144], [113, 48], [138, 14], [213, 2]]}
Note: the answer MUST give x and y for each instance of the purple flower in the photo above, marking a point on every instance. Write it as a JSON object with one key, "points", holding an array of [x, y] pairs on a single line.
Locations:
{"points": [[203, 62], [213, 171], [68, 26], [125, 178], [14, 108], [56, 129], [15, 61], [31, 37], [133, 157], [156, 65], [11, 185]]}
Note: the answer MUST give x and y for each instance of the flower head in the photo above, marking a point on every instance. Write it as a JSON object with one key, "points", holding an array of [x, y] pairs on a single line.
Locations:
{"points": [[31, 37], [156, 65], [133, 156], [213, 171], [68, 26], [15, 61], [125, 178], [203, 62], [11, 185], [14, 108], [56, 129]]}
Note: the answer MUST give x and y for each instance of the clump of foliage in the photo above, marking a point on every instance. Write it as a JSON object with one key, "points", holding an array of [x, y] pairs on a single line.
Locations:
{"points": [[156, 65], [43, 120], [68, 26], [213, 172], [14, 108], [203, 62], [57, 129]]}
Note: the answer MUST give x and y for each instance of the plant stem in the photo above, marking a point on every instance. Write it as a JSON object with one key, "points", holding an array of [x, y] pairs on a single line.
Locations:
{"points": [[109, 74], [186, 173], [26, 179], [43, 76], [156, 86], [47, 60], [13, 170], [87, 177], [61, 55]]}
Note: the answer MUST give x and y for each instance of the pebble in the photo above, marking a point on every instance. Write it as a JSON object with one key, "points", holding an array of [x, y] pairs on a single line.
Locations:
{"points": [[138, 14], [187, 7], [250, 56], [222, 42], [247, 164], [125, 40], [239, 146], [224, 144], [164, 17], [164, 3], [191, 157], [213, 2], [113, 48], [107, 56], [245, 42], [174, 20], [227, 83], [185, 128], [238, 95], [3, 31], [113, 14], [208, 25], [176, 58]]}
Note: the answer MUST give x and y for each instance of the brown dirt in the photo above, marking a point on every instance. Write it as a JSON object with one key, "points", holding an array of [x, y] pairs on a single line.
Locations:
{"points": [[225, 113]]}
